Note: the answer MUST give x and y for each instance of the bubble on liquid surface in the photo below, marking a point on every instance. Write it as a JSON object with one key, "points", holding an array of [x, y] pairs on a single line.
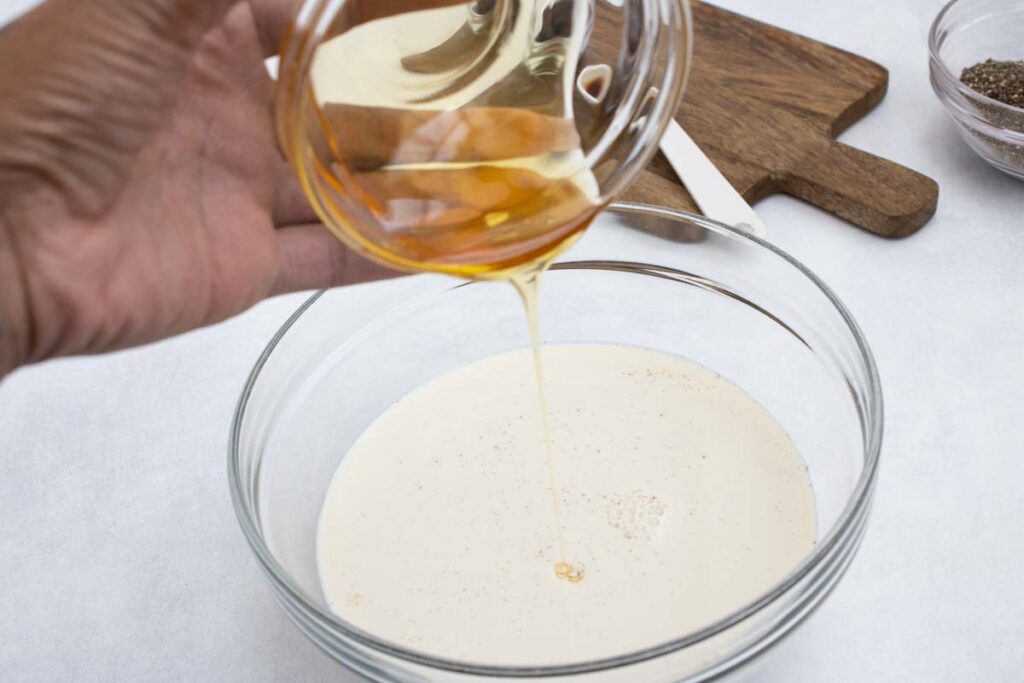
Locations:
{"points": [[637, 514]]}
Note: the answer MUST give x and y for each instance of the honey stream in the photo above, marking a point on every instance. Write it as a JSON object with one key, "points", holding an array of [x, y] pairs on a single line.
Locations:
{"points": [[527, 283]]}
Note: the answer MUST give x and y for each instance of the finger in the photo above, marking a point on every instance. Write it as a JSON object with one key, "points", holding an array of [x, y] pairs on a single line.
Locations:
{"points": [[310, 257], [291, 207]]}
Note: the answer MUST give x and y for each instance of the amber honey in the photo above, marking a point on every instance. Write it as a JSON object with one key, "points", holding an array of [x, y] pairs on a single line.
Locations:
{"points": [[473, 193]]}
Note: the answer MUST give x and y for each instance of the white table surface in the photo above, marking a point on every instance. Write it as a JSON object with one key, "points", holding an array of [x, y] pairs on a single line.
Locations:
{"points": [[120, 556]]}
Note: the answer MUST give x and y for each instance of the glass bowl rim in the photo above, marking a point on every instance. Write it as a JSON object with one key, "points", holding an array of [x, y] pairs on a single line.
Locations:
{"points": [[946, 83], [851, 516]]}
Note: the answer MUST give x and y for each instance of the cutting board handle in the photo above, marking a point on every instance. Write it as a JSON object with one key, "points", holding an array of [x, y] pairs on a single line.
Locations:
{"points": [[874, 193]]}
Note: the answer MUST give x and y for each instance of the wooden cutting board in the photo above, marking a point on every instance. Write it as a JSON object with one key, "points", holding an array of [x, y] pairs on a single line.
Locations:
{"points": [[766, 105]]}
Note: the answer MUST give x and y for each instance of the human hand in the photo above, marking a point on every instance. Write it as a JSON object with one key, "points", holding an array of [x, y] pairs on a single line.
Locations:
{"points": [[141, 190]]}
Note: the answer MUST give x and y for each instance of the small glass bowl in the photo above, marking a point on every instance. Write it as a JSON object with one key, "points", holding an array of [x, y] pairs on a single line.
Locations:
{"points": [[727, 300], [964, 33]]}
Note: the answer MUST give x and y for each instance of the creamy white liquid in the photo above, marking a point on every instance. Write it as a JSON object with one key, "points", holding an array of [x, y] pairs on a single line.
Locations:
{"points": [[682, 500]]}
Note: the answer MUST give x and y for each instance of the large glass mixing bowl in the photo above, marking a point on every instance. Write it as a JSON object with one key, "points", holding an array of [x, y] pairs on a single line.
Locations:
{"points": [[726, 300]]}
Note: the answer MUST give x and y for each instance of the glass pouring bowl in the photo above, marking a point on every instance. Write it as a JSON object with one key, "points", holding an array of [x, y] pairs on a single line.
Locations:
{"points": [[730, 302], [472, 138]]}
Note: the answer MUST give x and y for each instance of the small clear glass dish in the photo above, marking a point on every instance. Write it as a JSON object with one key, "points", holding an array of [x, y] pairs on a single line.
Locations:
{"points": [[726, 300], [965, 33]]}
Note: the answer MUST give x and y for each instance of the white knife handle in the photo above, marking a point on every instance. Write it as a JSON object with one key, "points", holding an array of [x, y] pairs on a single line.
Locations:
{"points": [[715, 196]]}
